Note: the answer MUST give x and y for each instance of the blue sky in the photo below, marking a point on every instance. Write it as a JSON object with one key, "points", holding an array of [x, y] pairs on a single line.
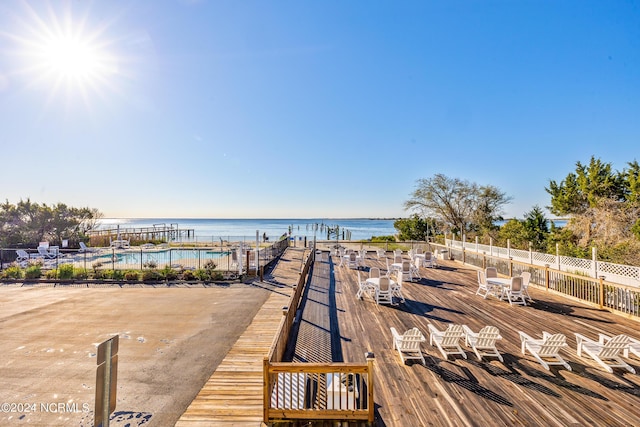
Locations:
{"points": [[267, 109]]}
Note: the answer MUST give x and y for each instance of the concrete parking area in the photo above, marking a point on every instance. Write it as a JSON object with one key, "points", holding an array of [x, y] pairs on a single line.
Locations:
{"points": [[171, 341]]}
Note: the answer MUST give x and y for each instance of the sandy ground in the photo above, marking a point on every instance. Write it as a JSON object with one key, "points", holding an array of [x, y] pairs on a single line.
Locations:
{"points": [[171, 341]]}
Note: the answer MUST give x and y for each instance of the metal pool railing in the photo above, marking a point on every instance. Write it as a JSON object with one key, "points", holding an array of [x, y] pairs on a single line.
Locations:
{"points": [[241, 258]]}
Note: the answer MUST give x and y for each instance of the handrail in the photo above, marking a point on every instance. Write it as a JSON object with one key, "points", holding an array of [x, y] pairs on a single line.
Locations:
{"points": [[318, 391], [279, 344], [306, 391]]}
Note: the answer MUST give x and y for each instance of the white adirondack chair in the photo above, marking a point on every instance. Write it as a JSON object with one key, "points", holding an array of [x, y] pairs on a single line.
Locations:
{"points": [[634, 345], [545, 350], [605, 352], [408, 344], [483, 343], [447, 341]]}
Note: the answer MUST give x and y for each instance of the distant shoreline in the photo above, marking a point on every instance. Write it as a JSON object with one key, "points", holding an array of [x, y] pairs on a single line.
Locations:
{"points": [[254, 219]]}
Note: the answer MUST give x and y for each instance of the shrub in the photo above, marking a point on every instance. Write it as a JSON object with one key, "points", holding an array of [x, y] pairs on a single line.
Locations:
{"points": [[99, 274], [65, 271], [13, 272], [51, 274], [131, 276], [151, 275], [383, 238], [188, 275], [118, 275], [80, 273], [202, 274], [33, 272], [210, 265], [168, 273]]}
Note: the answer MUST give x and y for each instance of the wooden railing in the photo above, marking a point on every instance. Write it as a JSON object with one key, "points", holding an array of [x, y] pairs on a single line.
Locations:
{"points": [[313, 391], [318, 391], [597, 292], [289, 312]]}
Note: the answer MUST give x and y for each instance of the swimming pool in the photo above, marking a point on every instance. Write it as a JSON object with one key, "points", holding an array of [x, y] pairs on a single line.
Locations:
{"points": [[192, 258]]}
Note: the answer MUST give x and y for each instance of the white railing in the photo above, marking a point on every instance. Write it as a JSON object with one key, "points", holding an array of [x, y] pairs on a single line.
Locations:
{"points": [[628, 275]]}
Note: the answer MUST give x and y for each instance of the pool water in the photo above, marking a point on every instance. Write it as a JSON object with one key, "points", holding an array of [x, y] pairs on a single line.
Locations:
{"points": [[186, 257]]}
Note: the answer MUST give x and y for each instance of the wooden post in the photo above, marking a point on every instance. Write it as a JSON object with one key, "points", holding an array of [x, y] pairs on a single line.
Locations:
{"points": [[265, 390], [370, 404], [546, 276], [601, 284]]}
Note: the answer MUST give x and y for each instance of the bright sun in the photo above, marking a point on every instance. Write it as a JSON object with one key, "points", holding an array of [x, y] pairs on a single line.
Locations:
{"points": [[71, 59], [59, 52]]}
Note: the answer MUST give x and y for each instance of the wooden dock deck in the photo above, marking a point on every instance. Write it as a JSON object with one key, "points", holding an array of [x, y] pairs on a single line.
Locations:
{"points": [[470, 392], [335, 326], [233, 394]]}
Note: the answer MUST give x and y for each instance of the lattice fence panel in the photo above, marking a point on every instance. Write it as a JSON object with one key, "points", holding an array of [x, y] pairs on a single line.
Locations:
{"points": [[619, 269], [542, 259], [569, 263], [519, 253]]}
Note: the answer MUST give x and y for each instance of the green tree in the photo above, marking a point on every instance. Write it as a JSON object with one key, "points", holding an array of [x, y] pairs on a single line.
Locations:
{"points": [[604, 207], [28, 223], [631, 178], [536, 228], [415, 228], [515, 232], [583, 188]]}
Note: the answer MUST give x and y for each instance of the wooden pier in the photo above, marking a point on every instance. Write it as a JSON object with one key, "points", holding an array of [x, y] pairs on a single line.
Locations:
{"points": [[158, 232]]}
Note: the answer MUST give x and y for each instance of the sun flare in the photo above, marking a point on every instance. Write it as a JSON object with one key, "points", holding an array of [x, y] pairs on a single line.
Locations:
{"points": [[69, 58], [63, 53]]}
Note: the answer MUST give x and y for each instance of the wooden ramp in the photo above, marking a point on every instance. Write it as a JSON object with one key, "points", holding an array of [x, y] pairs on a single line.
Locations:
{"points": [[233, 394]]}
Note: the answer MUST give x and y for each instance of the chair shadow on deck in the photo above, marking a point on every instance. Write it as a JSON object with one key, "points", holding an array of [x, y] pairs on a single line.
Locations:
{"points": [[566, 309], [625, 385], [469, 381], [423, 309], [437, 284], [512, 373]]}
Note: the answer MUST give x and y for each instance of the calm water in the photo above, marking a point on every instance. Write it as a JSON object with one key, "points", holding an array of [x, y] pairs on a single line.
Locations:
{"points": [[245, 229]]}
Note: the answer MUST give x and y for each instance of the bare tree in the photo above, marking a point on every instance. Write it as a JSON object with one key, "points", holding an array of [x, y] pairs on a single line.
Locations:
{"points": [[459, 205]]}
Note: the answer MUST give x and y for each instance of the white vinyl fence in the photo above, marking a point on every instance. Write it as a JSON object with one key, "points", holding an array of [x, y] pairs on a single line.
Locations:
{"points": [[628, 275]]}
